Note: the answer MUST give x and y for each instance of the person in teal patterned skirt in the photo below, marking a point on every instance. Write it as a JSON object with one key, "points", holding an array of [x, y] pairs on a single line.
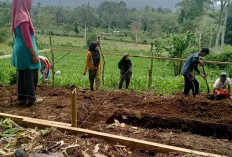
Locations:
{"points": [[25, 55]]}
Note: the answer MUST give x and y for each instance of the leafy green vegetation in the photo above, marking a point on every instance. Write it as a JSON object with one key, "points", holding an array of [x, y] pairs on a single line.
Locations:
{"points": [[124, 30], [46, 131], [72, 66]]}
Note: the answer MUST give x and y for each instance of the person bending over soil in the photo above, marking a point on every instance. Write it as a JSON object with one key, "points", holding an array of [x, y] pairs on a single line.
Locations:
{"points": [[45, 69], [191, 64], [125, 67], [93, 64], [219, 88]]}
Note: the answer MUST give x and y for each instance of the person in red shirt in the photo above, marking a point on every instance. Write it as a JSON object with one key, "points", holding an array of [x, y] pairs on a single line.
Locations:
{"points": [[219, 88], [45, 68]]}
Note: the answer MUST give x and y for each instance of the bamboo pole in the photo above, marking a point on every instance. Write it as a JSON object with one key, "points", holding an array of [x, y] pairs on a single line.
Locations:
{"points": [[151, 69], [154, 57], [9, 56], [119, 54], [53, 61], [74, 107]]}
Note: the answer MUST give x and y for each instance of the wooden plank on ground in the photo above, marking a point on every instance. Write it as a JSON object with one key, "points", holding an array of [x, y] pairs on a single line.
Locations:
{"points": [[140, 144]]}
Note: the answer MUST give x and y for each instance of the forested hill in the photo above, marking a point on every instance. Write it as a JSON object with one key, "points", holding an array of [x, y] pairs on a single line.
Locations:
{"points": [[95, 3]]}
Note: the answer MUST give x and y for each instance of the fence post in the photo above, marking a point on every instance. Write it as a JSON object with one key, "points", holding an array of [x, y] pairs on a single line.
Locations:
{"points": [[74, 107], [53, 61], [103, 69], [103, 59], [151, 68]]}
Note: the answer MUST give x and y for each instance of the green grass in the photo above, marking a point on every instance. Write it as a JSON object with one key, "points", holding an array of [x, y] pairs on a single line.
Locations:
{"points": [[5, 49], [80, 43], [72, 67]]}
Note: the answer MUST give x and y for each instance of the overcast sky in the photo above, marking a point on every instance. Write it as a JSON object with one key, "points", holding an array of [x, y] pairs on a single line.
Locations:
{"points": [[95, 3]]}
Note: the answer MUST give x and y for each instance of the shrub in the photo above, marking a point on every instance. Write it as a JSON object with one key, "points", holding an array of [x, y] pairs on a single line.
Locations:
{"points": [[91, 38], [223, 57], [4, 34], [13, 77], [145, 41]]}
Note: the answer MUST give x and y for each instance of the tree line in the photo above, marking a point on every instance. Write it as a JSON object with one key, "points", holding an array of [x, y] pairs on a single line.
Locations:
{"points": [[209, 24]]}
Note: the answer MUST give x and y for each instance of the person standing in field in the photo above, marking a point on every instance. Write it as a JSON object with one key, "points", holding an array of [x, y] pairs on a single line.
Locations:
{"points": [[219, 88], [125, 67], [93, 65], [45, 68], [192, 64], [25, 55]]}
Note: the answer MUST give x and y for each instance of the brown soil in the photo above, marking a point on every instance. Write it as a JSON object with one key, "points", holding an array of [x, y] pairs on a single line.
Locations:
{"points": [[198, 124]]}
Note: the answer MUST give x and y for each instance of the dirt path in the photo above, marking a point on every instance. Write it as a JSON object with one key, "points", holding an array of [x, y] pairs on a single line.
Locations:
{"points": [[198, 124]]}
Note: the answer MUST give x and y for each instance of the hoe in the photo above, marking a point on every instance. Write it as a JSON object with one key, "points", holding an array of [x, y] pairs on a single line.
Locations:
{"points": [[209, 95]]}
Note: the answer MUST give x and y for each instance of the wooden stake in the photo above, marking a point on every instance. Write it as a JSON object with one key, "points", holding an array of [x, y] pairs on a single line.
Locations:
{"points": [[103, 69], [151, 69], [103, 59], [135, 143], [53, 61], [74, 107]]}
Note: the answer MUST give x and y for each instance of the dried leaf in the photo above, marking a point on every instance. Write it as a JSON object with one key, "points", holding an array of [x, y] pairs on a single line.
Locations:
{"points": [[2, 152], [96, 149], [106, 147], [61, 143], [137, 132], [38, 147], [71, 146], [85, 154], [99, 155], [123, 125], [116, 122], [124, 117]]}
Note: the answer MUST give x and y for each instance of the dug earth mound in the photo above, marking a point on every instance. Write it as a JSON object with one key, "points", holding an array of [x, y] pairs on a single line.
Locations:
{"points": [[199, 124]]}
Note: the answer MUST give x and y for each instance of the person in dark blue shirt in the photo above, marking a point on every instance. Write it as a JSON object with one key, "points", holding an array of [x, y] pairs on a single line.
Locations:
{"points": [[192, 64]]}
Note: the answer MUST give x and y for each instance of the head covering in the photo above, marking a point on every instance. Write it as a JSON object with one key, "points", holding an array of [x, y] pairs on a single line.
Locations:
{"points": [[125, 54], [95, 54], [223, 75], [20, 13], [205, 50]]}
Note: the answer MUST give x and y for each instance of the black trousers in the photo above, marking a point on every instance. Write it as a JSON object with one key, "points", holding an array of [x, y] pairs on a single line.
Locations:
{"points": [[125, 77], [27, 83], [190, 84], [94, 75]]}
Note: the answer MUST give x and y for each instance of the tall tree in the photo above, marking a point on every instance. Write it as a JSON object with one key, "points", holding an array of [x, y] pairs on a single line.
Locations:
{"points": [[228, 36], [221, 21], [113, 14], [4, 14], [191, 13], [135, 28], [224, 25], [86, 17]]}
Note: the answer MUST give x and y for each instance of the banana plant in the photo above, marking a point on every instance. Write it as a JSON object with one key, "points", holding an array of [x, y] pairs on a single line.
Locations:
{"points": [[179, 45]]}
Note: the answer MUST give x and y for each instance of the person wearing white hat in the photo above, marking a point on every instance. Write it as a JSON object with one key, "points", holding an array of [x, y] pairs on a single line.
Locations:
{"points": [[219, 88]]}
